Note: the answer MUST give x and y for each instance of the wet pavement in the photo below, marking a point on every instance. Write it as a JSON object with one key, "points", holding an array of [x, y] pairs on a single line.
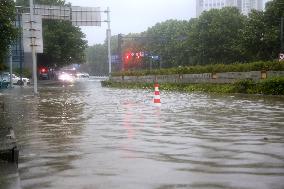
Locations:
{"points": [[84, 136]]}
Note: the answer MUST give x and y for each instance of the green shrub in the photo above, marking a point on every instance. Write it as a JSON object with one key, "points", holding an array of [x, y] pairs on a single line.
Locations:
{"points": [[274, 86], [271, 86], [210, 68], [244, 86], [26, 72]]}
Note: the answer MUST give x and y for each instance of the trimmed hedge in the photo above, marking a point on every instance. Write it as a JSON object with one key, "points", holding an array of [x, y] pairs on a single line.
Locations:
{"points": [[212, 68], [274, 86]]}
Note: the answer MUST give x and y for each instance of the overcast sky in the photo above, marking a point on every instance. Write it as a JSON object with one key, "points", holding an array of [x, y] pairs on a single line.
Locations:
{"points": [[134, 16]]}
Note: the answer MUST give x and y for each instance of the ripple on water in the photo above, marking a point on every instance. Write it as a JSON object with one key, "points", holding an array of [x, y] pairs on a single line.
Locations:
{"points": [[94, 137]]}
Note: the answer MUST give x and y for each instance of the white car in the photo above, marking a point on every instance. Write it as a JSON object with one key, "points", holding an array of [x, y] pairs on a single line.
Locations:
{"points": [[82, 75], [17, 80], [66, 77]]}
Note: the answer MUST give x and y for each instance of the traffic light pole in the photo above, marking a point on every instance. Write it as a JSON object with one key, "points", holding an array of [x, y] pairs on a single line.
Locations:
{"points": [[119, 43], [108, 40]]}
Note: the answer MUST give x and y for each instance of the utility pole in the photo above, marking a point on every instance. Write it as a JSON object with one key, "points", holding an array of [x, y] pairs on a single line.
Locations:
{"points": [[151, 63], [282, 33], [33, 45], [119, 53], [11, 66], [108, 40]]}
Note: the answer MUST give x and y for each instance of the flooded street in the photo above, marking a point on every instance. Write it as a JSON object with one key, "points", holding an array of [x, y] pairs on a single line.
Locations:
{"points": [[84, 136]]}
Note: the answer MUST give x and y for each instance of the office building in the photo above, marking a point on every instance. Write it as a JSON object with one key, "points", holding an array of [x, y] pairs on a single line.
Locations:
{"points": [[245, 6], [248, 5]]}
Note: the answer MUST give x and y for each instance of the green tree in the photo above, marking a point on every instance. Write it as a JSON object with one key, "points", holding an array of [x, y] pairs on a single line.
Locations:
{"points": [[113, 44], [274, 10], [168, 40], [97, 62], [8, 32], [253, 37], [216, 36], [63, 44], [261, 34]]}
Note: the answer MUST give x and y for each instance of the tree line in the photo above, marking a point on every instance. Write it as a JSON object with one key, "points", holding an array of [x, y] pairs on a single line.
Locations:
{"points": [[218, 36]]}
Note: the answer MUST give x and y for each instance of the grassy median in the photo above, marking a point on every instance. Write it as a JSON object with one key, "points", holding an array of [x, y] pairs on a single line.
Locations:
{"points": [[271, 86]]}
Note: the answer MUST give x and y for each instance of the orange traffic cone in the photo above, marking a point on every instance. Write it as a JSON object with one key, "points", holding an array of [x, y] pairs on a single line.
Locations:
{"points": [[157, 100]]}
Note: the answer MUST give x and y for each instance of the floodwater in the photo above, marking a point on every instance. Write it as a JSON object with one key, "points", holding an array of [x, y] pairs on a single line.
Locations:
{"points": [[83, 136]]}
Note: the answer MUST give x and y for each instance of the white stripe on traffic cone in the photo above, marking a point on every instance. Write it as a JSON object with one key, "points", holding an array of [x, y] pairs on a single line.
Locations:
{"points": [[157, 99]]}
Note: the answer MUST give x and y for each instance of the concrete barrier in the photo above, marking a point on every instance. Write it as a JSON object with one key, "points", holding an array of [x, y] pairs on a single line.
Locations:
{"points": [[227, 77], [274, 73]]}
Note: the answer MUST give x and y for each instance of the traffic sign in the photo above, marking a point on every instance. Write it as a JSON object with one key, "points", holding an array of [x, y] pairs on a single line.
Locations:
{"points": [[281, 57], [34, 32], [115, 59]]}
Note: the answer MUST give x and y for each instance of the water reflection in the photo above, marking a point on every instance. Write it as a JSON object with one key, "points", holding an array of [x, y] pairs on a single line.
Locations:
{"points": [[85, 136], [48, 126], [61, 113]]}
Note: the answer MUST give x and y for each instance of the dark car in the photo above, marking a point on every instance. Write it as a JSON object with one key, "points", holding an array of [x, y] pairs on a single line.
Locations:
{"points": [[43, 74]]}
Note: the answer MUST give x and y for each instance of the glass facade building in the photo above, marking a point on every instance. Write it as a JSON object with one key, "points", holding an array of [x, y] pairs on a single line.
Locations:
{"points": [[17, 46]]}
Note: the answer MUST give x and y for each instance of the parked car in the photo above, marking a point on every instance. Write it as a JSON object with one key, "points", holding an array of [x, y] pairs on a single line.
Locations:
{"points": [[82, 75], [17, 80], [4, 80]]}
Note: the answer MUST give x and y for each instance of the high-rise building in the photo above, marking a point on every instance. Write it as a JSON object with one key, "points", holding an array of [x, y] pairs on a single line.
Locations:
{"points": [[245, 6], [248, 5]]}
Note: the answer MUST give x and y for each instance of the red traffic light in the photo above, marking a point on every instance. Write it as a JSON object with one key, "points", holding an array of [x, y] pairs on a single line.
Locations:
{"points": [[127, 56]]}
